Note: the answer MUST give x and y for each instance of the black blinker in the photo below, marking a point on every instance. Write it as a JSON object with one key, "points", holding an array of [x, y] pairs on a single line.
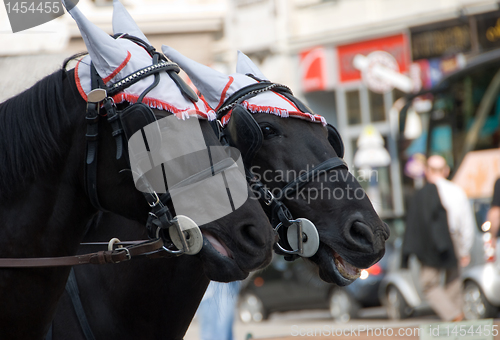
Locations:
{"points": [[244, 133]]}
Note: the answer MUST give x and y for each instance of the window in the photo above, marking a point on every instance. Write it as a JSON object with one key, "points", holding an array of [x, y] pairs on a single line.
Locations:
{"points": [[377, 107], [353, 107]]}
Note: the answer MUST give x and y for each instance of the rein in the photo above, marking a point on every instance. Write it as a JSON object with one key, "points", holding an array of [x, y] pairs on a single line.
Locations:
{"points": [[101, 257]]}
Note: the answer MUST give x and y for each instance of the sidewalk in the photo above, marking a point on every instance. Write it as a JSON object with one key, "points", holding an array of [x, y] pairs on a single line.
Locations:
{"points": [[288, 326], [401, 333]]}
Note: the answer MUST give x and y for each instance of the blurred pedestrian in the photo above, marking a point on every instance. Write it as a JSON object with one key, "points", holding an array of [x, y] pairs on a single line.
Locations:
{"points": [[217, 309], [494, 213], [440, 232]]}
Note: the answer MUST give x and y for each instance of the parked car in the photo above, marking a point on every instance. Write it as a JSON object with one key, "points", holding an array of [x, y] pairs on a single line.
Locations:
{"points": [[481, 292], [288, 286], [400, 291]]}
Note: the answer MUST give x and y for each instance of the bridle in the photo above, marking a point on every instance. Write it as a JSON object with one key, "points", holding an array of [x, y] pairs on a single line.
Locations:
{"points": [[298, 237], [125, 123], [100, 104]]}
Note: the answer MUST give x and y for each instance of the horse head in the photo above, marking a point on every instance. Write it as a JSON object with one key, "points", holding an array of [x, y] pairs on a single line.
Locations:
{"points": [[165, 145], [300, 163]]}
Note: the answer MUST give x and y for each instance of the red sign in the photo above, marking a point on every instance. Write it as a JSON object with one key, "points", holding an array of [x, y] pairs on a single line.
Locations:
{"points": [[396, 45], [313, 70]]}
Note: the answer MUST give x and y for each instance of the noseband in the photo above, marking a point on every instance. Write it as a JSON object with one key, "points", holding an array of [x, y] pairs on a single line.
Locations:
{"points": [[298, 237]]}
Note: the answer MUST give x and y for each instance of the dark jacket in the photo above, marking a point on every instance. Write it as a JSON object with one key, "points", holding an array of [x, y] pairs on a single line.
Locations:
{"points": [[427, 234]]}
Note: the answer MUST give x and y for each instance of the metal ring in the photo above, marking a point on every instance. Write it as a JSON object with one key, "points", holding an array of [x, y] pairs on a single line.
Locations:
{"points": [[281, 223], [291, 252], [112, 242], [177, 252]]}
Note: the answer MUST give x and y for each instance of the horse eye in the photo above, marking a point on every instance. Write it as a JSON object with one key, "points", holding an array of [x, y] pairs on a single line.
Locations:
{"points": [[268, 131]]}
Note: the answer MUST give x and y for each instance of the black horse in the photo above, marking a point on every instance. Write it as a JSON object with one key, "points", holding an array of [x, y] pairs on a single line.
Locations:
{"points": [[45, 207], [161, 296], [276, 151], [157, 299], [351, 234], [297, 156]]}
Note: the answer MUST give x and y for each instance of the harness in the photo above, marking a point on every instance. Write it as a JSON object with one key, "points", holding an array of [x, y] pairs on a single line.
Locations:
{"points": [[185, 236], [298, 237], [125, 123]]}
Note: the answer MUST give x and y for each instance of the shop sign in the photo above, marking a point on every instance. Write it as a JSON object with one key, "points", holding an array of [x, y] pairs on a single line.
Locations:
{"points": [[477, 173], [395, 45], [488, 30], [433, 70], [444, 38], [313, 70]]}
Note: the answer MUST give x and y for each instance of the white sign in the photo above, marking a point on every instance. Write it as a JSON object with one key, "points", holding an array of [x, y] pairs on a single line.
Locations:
{"points": [[380, 72]]}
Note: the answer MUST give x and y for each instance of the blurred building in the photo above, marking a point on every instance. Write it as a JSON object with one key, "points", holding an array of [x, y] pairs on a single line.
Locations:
{"points": [[190, 26], [311, 45]]}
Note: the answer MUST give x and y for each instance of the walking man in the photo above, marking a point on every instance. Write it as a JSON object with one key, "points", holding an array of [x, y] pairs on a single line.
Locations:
{"points": [[440, 232]]}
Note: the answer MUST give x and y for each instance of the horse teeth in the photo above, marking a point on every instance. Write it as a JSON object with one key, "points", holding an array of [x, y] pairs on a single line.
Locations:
{"points": [[346, 269]]}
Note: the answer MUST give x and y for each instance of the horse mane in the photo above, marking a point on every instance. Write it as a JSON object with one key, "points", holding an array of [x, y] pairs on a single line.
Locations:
{"points": [[30, 125]]}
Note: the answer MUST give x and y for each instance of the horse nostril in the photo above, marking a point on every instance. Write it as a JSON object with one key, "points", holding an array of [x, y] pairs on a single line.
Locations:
{"points": [[251, 234], [361, 234], [386, 231]]}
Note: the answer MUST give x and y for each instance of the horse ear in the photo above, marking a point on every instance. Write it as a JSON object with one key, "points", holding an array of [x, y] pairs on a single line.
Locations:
{"points": [[105, 52], [124, 23], [245, 65], [209, 82]]}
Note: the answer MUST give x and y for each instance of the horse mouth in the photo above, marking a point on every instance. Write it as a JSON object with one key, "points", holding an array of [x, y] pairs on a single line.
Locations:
{"points": [[218, 244], [333, 268], [345, 269], [218, 262]]}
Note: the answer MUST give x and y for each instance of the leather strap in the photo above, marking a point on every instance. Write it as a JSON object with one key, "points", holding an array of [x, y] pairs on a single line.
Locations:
{"points": [[114, 120], [301, 181], [92, 136], [101, 257], [74, 294]]}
